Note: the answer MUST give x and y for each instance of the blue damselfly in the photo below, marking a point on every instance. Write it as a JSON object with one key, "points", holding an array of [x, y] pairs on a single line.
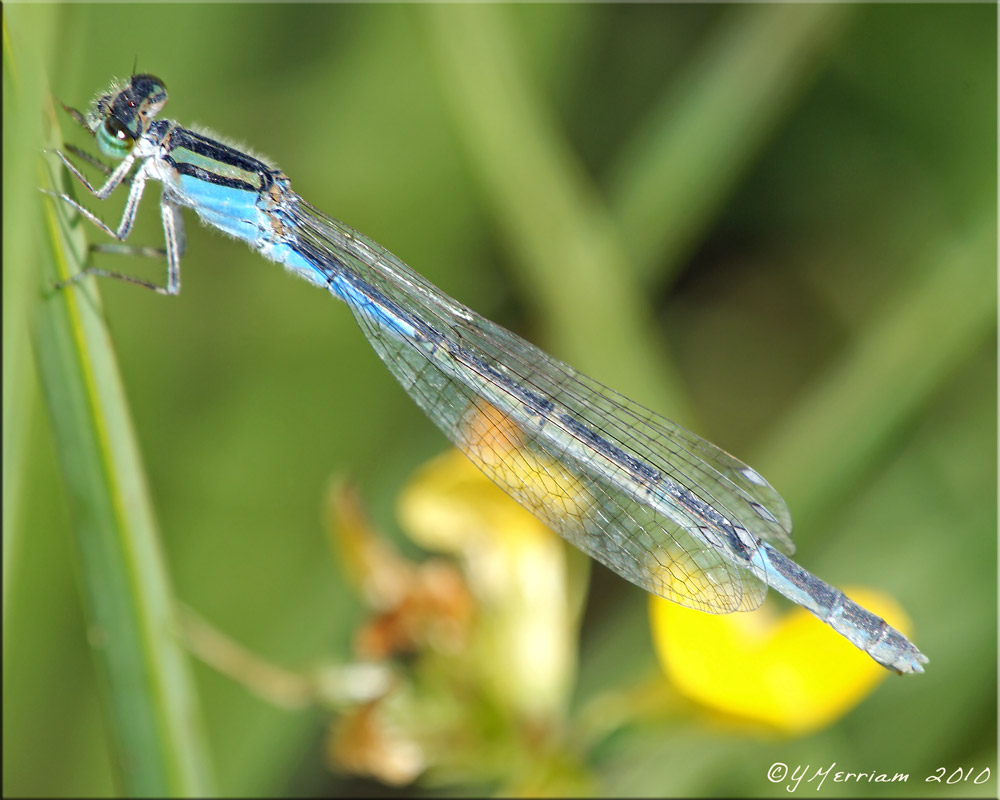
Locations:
{"points": [[657, 504]]}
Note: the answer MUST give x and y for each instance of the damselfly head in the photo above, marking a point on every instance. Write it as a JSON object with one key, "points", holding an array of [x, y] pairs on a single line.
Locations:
{"points": [[121, 115]]}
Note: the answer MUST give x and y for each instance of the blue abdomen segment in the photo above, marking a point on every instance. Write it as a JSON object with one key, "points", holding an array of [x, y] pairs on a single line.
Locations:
{"points": [[860, 627], [364, 300]]}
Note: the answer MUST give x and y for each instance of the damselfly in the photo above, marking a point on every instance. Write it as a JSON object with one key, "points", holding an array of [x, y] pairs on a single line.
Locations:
{"points": [[660, 506]]}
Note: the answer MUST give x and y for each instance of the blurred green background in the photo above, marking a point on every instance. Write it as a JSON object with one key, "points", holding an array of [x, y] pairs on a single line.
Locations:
{"points": [[774, 224]]}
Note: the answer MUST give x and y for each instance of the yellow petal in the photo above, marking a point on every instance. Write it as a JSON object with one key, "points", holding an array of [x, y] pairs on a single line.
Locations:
{"points": [[791, 672]]}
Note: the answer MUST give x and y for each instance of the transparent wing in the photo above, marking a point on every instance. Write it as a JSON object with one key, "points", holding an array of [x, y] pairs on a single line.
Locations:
{"points": [[650, 500]]}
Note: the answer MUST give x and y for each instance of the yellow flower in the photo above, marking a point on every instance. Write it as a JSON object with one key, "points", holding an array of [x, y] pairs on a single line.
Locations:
{"points": [[790, 672], [516, 567]]}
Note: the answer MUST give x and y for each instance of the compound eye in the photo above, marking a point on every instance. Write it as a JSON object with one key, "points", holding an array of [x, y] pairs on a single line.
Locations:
{"points": [[114, 139]]}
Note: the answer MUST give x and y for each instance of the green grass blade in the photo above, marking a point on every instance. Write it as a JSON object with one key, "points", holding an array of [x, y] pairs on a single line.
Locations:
{"points": [[569, 254], [149, 700], [897, 365], [709, 124], [19, 233]]}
